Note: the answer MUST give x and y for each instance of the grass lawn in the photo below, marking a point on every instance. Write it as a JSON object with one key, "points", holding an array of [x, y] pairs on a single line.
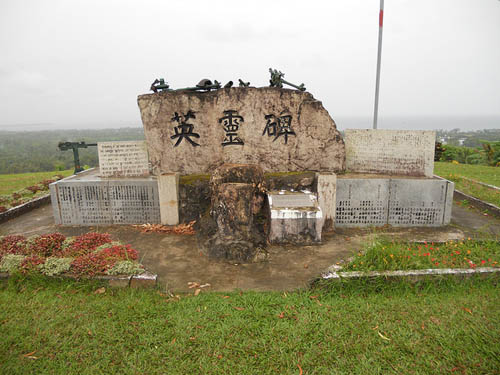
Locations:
{"points": [[489, 175], [386, 255], [55, 327], [10, 183], [483, 173]]}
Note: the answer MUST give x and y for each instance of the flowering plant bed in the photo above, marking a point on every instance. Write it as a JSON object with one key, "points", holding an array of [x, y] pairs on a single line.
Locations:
{"points": [[90, 254], [388, 256], [26, 194]]}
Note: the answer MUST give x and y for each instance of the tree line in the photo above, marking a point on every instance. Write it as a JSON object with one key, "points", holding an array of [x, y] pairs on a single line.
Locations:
{"points": [[37, 151]]}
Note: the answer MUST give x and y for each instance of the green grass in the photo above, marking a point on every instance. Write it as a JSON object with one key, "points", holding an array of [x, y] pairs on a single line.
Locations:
{"points": [[10, 183], [489, 175], [55, 327], [482, 173], [386, 255]]}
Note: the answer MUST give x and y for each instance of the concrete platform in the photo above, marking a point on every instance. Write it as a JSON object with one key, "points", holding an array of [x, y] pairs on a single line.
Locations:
{"points": [[177, 260]]}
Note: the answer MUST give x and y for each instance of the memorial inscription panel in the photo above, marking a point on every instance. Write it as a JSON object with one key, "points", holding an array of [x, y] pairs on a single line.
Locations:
{"points": [[123, 159], [399, 152]]}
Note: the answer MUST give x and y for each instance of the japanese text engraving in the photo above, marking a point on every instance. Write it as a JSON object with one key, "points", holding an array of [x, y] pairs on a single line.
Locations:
{"points": [[184, 130], [231, 124], [278, 126]]}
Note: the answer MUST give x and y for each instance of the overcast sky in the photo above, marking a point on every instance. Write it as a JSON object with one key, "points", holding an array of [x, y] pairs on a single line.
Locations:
{"points": [[84, 62]]}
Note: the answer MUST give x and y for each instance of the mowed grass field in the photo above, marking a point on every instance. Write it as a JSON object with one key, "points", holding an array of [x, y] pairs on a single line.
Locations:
{"points": [[481, 173], [10, 183], [446, 327]]}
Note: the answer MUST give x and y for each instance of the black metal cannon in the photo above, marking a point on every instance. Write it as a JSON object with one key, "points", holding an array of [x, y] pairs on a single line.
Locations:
{"points": [[63, 146]]}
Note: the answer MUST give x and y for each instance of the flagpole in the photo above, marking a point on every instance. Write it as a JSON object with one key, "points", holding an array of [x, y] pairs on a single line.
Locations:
{"points": [[377, 84]]}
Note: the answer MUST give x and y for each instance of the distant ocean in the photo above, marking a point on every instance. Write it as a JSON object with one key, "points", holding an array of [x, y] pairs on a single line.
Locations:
{"points": [[463, 123]]}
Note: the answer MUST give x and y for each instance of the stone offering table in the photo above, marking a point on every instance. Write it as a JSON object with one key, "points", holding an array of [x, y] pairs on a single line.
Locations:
{"points": [[295, 217]]}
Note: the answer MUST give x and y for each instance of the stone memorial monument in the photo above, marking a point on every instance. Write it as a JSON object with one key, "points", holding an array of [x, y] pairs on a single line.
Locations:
{"points": [[255, 166]]}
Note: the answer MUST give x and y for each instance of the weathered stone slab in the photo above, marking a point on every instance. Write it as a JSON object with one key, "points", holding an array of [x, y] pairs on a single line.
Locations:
{"points": [[327, 198], [295, 218], [91, 200], [400, 202], [399, 152], [168, 192], [362, 202], [277, 129], [126, 158], [415, 202]]}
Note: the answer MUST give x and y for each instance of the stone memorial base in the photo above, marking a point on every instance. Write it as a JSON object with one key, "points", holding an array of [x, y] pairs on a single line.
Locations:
{"points": [[294, 218], [88, 199], [376, 200]]}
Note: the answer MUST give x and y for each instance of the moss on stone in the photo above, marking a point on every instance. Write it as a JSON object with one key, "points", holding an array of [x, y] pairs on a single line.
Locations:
{"points": [[193, 178]]}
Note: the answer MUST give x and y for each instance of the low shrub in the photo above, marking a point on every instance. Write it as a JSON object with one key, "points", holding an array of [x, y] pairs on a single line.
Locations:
{"points": [[13, 244], [31, 263], [45, 245], [126, 267], [86, 243], [55, 266], [101, 262], [11, 262]]}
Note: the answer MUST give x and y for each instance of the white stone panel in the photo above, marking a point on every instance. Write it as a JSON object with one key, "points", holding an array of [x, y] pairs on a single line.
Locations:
{"points": [[127, 158], [397, 152]]}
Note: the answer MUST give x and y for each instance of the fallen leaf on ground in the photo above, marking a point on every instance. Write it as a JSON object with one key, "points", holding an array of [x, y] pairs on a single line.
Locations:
{"points": [[239, 308], [205, 285], [225, 296], [197, 291], [300, 369], [281, 315], [29, 354], [381, 335], [100, 290], [158, 228], [468, 310]]}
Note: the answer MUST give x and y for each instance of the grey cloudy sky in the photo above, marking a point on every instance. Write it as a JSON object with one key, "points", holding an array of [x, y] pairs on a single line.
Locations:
{"points": [[84, 62]]}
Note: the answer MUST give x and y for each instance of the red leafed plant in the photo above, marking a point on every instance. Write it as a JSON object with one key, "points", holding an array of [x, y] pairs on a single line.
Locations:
{"points": [[13, 244], [99, 262], [87, 243], [31, 263], [33, 188], [47, 244], [46, 183]]}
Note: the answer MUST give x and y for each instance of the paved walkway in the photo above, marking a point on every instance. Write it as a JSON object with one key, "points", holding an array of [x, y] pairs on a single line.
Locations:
{"points": [[177, 259]]}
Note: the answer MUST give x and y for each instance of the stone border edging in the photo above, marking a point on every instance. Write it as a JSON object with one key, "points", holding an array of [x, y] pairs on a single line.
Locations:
{"points": [[481, 183], [23, 208], [478, 203], [413, 275], [144, 280]]}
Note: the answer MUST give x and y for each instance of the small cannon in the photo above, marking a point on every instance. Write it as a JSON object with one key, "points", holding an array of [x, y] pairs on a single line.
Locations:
{"points": [[203, 85], [278, 81], [243, 84], [63, 146], [159, 85]]}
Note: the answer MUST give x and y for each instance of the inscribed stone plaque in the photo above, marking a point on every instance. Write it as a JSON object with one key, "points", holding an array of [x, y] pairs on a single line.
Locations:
{"points": [[362, 202], [417, 202], [292, 200], [128, 158], [278, 129], [398, 152]]}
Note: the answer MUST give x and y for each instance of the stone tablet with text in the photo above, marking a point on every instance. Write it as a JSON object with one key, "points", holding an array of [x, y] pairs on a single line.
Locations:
{"points": [[280, 130], [123, 159], [398, 152]]}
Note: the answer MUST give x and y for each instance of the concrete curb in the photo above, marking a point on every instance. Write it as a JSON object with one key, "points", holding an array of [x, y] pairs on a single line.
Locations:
{"points": [[478, 203], [411, 275], [23, 208], [144, 280]]}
